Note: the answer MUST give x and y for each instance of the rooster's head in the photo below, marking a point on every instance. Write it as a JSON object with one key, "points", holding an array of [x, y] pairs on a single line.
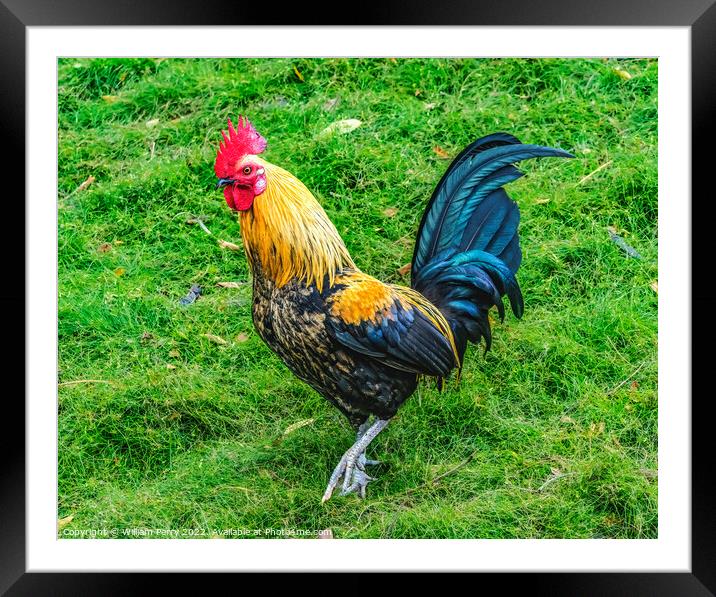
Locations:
{"points": [[240, 172]]}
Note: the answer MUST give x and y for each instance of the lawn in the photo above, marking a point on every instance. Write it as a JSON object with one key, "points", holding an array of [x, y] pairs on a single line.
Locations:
{"points": [[178, 417]]}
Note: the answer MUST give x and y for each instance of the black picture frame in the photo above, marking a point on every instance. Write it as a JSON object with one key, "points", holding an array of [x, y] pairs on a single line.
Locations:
{"points": [[698, 15]]}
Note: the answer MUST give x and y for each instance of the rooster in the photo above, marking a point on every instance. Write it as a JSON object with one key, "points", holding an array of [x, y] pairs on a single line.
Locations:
{"points": [[361, 343]]}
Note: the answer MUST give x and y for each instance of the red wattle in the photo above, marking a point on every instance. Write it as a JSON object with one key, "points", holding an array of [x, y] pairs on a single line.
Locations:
{"points": [[239, 198]]}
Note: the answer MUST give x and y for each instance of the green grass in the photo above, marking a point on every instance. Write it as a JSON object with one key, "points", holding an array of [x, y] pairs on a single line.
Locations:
{"points": [[559, 419]]}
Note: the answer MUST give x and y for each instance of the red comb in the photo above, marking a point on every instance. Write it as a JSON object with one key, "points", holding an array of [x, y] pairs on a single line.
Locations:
{"points": [[242, 140]]}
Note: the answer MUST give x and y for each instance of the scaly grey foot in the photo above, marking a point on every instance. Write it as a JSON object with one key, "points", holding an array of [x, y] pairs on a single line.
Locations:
{"points": [[360, 478], [352, 464]]}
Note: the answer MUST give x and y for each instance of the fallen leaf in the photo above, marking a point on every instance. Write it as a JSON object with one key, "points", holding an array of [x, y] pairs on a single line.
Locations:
{"points": [[278, 101], [215, 339], [634, 385], [242, 337], [119, 271], [191, 296], [325, 534], [63, 522], [611, 520], [147, 336], [110, 99], [104, 247], [566, 419], [152, 123], [430, 106], [390, 212], [596, 428], [621, 243], [654, 286], [170, 366], [174, 353], [227, 245], [541, 201], [403, 271], [86, 183], [340, 127], [393, 60], [298, 74], [228, 284], [440, 152], [418, 93], [331, 104], [622, 74]]}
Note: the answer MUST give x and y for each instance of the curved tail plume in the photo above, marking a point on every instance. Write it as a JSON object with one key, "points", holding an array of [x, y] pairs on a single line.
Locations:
{"points": [[468, 250]]}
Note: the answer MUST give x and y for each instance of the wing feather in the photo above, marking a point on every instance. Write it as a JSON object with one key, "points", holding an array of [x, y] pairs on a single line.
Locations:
{"points": [[393, 324]]}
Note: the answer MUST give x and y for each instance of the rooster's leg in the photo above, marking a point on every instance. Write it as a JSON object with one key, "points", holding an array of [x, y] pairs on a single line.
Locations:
{"points": [[362, 460], [351, 465]]}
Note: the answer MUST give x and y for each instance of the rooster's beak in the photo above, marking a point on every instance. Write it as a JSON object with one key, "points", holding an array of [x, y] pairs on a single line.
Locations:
{"points": [[222, 182]]}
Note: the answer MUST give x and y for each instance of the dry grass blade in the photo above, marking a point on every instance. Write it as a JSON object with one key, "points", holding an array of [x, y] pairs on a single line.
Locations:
{"points": [[79, 381], [552, 479], [201, 224], [437, 479], [291, 428], [593, 172], [632, 374]]}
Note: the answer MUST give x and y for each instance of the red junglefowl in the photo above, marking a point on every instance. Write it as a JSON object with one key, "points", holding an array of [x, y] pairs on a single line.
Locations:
{"points": [[357, 341]]}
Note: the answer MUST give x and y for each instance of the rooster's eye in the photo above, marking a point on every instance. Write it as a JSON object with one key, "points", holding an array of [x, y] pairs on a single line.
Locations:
{"points": [[247, 170]]}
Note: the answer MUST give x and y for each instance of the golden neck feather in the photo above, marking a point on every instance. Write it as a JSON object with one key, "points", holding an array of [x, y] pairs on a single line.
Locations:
{"points": [[288, 234]]}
